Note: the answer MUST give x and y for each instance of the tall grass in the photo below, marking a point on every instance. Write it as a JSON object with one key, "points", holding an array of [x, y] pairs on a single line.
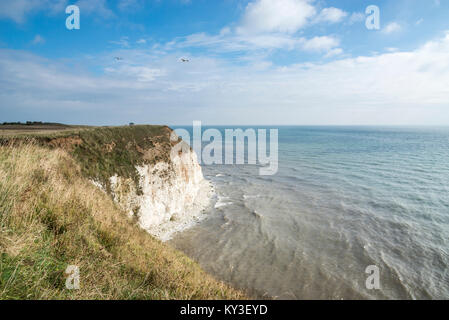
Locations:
{"points": [[51, 216]]}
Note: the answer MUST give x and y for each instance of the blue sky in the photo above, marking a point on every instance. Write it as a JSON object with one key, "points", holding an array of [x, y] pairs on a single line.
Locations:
{"points": [[250, 62]]}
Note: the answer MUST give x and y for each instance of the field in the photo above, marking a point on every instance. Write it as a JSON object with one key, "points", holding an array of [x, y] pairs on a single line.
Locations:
{"points": [[24, 130]]}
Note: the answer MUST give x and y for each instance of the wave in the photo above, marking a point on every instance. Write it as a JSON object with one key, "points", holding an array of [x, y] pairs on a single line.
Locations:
{"points": [[251, 196], [221, 202]]}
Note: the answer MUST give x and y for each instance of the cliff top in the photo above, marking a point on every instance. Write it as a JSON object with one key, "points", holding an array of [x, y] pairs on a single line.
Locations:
{"points": [[101, 152]]}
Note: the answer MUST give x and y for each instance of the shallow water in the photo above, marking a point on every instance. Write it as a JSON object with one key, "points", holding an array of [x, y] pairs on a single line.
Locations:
{"points": [[344, 198]]}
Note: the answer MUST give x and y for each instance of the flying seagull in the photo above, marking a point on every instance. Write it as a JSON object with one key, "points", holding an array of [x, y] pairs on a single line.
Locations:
{"points": [[184, 60]]}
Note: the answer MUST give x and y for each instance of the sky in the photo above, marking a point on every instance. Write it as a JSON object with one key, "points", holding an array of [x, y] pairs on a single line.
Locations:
{"points": [[250, 62]]}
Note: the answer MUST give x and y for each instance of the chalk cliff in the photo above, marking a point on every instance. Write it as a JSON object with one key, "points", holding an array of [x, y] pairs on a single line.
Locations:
{"points": [[170, 196]]}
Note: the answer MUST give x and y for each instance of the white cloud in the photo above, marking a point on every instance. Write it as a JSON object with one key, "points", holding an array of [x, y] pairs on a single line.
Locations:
{"points": [[123, 42], [333, 52], [141, 41], [258, 42], [266, 25], [225, 31], [357, 17], [392, 27], [97, 7], [130, 4], [286, 16], [391, 88], [331, 15], [392, 49], [38, 39], [320, 44], [139, 73], [18, 10], [269, 25]]}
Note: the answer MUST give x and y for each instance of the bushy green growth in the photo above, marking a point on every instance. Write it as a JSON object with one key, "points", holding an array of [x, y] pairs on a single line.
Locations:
{"points": [[107, 151], [103, 152]]}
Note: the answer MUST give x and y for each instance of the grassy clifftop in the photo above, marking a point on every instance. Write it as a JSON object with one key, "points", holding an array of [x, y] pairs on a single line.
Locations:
{"points": [[101, 152], [51, 216]]}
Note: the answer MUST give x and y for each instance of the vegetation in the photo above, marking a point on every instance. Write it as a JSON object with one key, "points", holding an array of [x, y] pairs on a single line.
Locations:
{"points": [[51, 216], [102, 151], [34, 124]]}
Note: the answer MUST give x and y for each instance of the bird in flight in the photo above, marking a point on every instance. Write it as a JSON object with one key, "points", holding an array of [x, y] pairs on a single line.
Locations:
{"points": [[184, 60], [118, 58]]}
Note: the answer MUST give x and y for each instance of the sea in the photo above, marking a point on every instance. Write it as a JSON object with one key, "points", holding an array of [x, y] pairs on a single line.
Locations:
{"points": [[352, 213]]}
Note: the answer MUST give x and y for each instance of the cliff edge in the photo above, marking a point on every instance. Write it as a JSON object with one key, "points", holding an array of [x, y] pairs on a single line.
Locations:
{"points": [[164, 192]]}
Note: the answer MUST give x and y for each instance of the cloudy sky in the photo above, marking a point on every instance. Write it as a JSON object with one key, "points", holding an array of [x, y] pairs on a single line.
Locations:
{"points": [[250, 62]]}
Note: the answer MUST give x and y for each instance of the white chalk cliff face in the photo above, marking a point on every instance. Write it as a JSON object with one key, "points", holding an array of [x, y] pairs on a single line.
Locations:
{"points": [[173, 195]]}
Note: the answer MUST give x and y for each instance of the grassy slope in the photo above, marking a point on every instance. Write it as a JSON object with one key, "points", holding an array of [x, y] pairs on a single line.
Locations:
{"points": [[51, 216]]}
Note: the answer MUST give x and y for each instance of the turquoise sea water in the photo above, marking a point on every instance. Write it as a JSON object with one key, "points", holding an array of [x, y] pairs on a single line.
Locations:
{"points": [[344, 198]]}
